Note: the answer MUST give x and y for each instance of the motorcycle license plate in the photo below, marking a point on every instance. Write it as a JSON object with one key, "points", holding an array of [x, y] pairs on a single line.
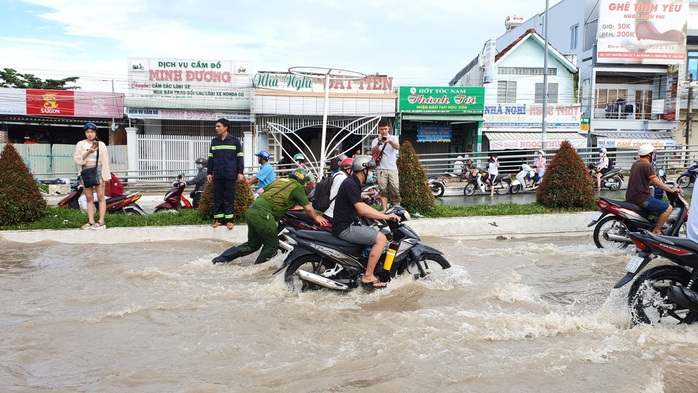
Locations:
{"points": [[634, 264]]}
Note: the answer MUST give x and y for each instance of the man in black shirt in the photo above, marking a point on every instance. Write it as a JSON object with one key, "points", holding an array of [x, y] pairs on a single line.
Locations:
{"points": [[348, 206]]}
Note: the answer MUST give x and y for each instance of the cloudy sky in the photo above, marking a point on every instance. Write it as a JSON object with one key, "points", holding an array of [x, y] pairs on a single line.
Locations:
{"points": [[417, 42]]}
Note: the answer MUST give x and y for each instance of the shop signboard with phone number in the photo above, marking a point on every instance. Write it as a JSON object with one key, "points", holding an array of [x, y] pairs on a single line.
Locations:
{"points": [[441, 99]]}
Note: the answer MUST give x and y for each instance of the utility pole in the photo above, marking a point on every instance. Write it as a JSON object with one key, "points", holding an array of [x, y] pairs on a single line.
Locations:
{"points": [[545, 80], [689, 111]]}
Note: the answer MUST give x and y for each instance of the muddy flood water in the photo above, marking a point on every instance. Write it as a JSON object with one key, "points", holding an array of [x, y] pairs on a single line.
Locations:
{"points": [[529, 315]]}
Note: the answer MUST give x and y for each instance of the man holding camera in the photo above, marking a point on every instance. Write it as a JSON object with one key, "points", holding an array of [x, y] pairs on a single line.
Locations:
{"points": [[384, 151]]}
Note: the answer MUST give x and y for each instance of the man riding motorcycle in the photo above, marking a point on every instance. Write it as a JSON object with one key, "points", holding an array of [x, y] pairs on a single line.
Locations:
{"points": [[348, 206], [601, 168]]}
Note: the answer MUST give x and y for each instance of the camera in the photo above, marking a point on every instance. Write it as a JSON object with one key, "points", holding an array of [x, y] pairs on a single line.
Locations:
{"points": [[385, 138]]}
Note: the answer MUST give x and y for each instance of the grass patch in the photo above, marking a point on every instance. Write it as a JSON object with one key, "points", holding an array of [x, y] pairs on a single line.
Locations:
{"points": [[59, 218]]}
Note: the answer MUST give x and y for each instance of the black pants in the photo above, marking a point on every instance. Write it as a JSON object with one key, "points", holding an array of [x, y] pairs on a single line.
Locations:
{"points": [[224, 199]]}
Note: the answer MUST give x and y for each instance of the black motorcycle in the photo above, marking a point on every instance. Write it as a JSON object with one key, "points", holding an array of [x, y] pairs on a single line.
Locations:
{"points": [[664, 293], [616, 218], [689, 177], [318, 259]]}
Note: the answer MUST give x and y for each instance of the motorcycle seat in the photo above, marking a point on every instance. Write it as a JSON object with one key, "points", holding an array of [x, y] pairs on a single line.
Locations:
{"points": [[331, 240], [678, 241], [628, 205]]}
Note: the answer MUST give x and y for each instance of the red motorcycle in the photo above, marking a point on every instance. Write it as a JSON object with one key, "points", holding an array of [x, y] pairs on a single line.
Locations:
{"points": [[175, 199], [125, 204]]}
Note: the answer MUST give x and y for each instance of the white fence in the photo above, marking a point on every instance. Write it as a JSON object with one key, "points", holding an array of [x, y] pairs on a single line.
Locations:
{"points": [[161, 156]]}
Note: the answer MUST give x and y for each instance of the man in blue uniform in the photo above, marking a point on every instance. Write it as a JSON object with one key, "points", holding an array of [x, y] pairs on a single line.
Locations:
{"points": [[225, 167]]}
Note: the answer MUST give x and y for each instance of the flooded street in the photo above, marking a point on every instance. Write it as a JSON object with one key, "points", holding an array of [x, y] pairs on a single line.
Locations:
{"points": [[529, 315]]}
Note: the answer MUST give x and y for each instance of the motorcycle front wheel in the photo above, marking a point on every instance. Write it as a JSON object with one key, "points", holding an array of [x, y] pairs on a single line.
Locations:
{"points": [[615, 185], [426, 264], [609, 227], [647, 297], [683, 181], [310, 263], [437, 189], [515, 188], [469, 189]]}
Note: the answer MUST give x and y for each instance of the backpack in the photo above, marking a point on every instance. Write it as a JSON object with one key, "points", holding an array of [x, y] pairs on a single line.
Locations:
{"points": [[611, 162], [113, 187], [321, 196]]}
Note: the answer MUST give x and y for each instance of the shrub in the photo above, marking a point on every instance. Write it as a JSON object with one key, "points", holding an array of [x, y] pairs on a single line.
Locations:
{"points": [[20, 196], [243, 200], [414, 191], [566, 183]]}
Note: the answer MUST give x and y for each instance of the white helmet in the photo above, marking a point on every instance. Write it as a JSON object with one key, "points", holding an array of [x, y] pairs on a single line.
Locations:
{"points": [[645, 150]]}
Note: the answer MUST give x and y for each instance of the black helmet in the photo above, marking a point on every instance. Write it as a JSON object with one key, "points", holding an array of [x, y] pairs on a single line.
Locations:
{"points": [[363, 162], [301, 175], [201, 161]]}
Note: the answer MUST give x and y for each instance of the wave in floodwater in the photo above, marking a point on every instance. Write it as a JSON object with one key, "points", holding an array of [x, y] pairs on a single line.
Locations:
{"points": [[535, 314]]}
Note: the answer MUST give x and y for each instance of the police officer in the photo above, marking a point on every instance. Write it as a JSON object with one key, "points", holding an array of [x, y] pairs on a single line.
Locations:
{"points": [[266, 211], [225, 167]]}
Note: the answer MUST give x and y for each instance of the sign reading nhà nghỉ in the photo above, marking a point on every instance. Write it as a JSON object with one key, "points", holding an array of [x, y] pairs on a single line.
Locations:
{"points": [[441, 99], [287, 81]]}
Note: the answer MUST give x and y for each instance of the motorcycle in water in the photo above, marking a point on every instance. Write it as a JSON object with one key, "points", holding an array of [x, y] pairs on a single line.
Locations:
{"points": [[502, 184], [125, 204], [689, 176], [664, 293], [616, 218], [174, 199], [318, 259], [612, 179]]}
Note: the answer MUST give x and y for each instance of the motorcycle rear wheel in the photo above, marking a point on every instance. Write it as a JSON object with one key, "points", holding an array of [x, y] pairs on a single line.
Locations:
{"points": [[647, 297], [425, 265], [310, 263], [683, 181], [615, 186], [504, 188], [610, 225], [437, 189], [515, 188]]}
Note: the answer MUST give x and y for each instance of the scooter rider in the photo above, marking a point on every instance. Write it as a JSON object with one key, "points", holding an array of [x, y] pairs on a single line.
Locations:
{"points": [[265, 175], [348, 206], [602, 168], [345, 170], [642, 174], [199, 180], [266, 211]]}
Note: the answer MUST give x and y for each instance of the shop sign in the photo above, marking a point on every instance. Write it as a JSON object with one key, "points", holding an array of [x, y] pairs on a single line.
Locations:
{"points": [[441, 99], [531, 115], [106, 105], [434, 134], [50, 102], [13, 101], [174, 114], [534, 144], [287, 81], [634, 143]]}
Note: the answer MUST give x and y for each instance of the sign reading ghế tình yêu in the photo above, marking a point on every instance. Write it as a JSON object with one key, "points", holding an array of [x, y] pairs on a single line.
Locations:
{"points": [[441, 99]]}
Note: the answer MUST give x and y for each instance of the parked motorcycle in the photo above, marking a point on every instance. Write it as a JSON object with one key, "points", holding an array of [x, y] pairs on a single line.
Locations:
{"points": [[437, 186], [125, 204], [616, 218], [318, 259], [612, 179], [665, 293], [502, 184], [689, 176], [521, 183], [175, 199]]}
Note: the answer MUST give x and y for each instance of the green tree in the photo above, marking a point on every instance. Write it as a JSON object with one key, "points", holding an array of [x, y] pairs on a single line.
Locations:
{"points": [[11, 78], [566, 183], [415, 195], [20, 197]]}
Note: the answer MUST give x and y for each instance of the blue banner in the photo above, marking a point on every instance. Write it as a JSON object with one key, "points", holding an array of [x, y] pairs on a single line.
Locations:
{"points": [[434, 134]]}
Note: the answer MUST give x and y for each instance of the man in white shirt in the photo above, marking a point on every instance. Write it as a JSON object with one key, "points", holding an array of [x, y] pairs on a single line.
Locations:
{"points": [[386, 146], [458, 166], [337, 179]]}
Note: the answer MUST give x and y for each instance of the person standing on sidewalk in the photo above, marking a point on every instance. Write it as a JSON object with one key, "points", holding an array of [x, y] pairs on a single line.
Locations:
{"points": [[86, 155], [386, 147], [225, 167], [492, 172]]}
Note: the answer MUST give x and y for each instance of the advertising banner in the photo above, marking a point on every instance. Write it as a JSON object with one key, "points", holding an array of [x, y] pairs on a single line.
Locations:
{"points": [[642, 31], [50, 102], [13, 102], [286, 81], [531, 115], [177, 114], [441, 99], [434, 134], [106, 105]]}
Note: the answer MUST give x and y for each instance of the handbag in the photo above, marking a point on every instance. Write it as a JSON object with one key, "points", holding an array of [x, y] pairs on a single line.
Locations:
{"points": [[89, 176], [379, 155]]}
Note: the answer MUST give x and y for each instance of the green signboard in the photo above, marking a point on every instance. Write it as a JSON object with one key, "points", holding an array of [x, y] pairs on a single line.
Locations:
{"points": [[441, 99]]}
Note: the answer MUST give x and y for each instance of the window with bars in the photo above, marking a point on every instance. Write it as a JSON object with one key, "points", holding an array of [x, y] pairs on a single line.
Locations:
{"points": [[525, 71], [506, 92], [552, 93]]}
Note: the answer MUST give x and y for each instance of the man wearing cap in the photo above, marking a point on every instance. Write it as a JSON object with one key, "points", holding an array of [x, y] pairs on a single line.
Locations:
{"points": [[265, 175], [225, 167]]}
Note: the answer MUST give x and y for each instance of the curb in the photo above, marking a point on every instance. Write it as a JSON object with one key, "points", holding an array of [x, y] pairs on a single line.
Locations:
{"points": [[486, 227]]}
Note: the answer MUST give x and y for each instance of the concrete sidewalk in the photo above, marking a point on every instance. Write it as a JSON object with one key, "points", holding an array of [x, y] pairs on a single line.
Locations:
{"points": [[463, 227]]}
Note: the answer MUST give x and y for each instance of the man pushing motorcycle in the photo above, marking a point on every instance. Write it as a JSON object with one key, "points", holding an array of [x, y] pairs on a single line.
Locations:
{"points": [[263, 214], [642, 174], [348, 206]]}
